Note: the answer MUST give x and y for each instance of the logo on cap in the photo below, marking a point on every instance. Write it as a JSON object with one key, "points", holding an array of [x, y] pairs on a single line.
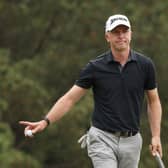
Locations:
{"points": [[119, 18]]}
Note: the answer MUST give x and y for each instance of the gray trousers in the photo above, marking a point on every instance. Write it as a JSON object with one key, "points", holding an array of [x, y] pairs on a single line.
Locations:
{"points": [[109, 151]]}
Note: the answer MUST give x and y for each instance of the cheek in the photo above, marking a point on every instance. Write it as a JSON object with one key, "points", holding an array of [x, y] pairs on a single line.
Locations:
{"points": [[129, 38]]}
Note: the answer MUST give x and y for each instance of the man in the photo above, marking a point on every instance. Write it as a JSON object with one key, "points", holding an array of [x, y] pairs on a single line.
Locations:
{"points": [[119, 79]]}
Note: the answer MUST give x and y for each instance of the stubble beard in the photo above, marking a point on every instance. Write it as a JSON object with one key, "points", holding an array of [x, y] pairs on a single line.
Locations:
{"points": [[121, 48]]}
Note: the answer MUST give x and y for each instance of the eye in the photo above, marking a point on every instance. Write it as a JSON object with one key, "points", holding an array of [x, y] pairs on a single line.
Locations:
{"points": [[115, 31], [125, 30]]}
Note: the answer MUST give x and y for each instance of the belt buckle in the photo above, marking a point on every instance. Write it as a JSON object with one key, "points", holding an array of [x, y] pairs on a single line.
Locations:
{"points": [[131, 134]]}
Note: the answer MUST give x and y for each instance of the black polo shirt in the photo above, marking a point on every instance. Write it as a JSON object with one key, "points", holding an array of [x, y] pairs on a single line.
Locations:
{"points": [[118, 91]]}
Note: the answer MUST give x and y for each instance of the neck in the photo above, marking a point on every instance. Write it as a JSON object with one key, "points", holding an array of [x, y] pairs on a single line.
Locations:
{"points": [[121, 56]]}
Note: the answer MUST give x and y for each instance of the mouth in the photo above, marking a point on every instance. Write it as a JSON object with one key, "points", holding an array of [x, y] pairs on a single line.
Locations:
{"points": [[120, 42]]}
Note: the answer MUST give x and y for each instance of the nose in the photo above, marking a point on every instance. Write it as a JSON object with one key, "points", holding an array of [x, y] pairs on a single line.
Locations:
{"points": [[120, 34]]}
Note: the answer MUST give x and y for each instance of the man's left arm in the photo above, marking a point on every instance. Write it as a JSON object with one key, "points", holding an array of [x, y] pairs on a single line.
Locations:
{"points": [[154, 116]]}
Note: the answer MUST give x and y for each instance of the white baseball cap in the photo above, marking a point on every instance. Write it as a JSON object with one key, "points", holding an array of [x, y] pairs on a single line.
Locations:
{"points": [[116, 20]]}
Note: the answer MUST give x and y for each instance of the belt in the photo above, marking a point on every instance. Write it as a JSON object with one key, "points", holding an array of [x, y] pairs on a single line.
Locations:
{"points": [[124, 134]]}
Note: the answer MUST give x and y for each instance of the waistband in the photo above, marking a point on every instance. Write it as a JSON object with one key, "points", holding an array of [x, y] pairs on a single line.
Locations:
{"points": [[119, 133], [124, 134]]}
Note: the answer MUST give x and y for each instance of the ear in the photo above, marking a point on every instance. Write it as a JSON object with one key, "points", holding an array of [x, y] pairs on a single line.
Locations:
{"points": [[107, 37]]}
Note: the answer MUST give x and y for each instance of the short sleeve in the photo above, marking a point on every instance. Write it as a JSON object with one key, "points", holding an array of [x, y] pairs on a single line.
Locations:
{"points": [[85, 79], [150, 82]]}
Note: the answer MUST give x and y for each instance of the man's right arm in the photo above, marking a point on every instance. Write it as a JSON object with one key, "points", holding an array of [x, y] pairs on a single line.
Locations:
{"points": [[62, 106], [65, 103]]}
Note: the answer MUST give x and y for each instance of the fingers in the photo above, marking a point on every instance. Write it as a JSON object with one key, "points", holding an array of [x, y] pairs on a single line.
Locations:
{"points": [[156, 146], [35, 130], [33, 127], [155, 149], [25, 123], [29, 129], [29, 125]]}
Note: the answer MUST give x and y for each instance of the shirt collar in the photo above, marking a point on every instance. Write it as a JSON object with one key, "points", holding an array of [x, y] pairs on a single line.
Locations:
{"points": [[110, 57]]}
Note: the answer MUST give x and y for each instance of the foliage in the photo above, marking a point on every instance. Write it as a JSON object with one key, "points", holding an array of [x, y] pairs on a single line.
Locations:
{"points": [[10, 157], [19, 91]]}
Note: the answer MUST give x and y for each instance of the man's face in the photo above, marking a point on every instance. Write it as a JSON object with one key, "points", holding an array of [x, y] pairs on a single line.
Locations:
{"points": [[119, 38]]}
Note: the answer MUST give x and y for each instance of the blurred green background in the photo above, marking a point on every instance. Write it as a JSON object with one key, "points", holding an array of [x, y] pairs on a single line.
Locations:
{"points": [[43, 46]]}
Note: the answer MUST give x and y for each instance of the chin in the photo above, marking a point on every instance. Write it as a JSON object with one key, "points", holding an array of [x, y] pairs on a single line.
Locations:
{"points": [[122, 48]]}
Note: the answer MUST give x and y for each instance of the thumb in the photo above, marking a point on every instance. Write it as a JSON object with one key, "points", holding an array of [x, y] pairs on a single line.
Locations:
{"points": [[37, 129]]}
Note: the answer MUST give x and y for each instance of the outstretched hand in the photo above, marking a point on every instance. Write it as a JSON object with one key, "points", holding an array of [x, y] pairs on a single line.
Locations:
{"points": [[35, 127]]}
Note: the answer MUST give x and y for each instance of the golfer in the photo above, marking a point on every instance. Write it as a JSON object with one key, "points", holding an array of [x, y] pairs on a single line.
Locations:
{"points": [[119, 79]]}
